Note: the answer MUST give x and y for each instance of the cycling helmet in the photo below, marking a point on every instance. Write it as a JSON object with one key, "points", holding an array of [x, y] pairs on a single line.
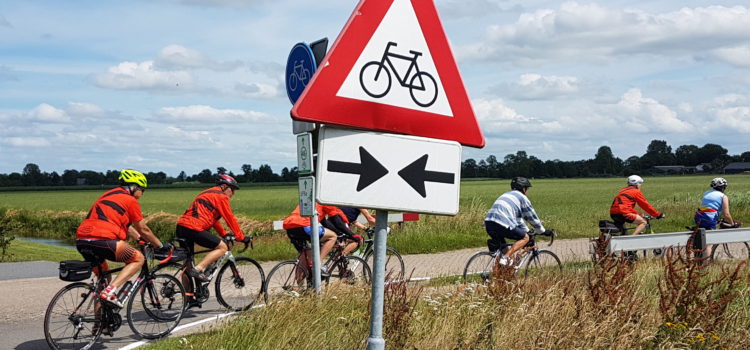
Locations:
{"points": [[130, 176], [635, 180], [519, 183], [222, 179], [719, 183]]}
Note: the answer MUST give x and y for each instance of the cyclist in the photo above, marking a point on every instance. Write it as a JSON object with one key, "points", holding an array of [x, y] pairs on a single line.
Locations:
{"points": [[113, 217], [352, 214], [203, 214], [299, 230], [623, 210], [714, 204], [506, 219]]}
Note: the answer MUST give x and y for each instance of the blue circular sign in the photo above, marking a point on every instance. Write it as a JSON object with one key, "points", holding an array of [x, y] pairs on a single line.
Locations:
{"points": [[300, 68]]}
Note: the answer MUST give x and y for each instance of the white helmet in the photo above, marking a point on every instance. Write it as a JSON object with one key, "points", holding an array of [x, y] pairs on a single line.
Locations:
{"points": [[635, 180], [718, 183]]}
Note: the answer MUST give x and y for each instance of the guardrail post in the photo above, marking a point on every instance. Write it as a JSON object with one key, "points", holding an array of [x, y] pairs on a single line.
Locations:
{"points": [[699, 245]]}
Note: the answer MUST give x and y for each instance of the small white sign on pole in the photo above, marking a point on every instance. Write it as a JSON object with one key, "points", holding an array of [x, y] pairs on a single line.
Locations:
{"points": [[304, 154], [306, 195]]}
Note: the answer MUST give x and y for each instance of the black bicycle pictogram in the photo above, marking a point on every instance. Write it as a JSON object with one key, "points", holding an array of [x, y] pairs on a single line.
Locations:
{"points": [[422, 86]]}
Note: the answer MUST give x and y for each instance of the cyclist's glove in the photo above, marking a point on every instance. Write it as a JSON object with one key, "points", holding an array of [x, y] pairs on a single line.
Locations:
{"points": [[246, 240], [661, 216], [165, 247], [549, 233]]}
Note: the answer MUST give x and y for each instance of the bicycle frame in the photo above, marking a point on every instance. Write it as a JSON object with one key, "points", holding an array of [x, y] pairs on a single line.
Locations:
{"points": [[387, 58]]}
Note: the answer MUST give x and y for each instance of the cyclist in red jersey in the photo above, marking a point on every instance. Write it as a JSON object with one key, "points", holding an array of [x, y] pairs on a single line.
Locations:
{"points": [[298, 229], [623, 207], [115, 216], [203, 214]]}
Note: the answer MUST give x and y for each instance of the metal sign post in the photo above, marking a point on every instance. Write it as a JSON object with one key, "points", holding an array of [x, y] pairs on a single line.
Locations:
{"points": [[376, 341]]}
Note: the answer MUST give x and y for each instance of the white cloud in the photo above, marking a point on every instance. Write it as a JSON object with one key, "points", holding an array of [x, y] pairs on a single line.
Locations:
{"points": [[85, 109], [209, 114], [26, 141], [535, 86], [177, 57], [47, 113], [133, 75], [497, 118], [592, 32], [738, 56], [468, 8], [258, 90], [648, 113]]}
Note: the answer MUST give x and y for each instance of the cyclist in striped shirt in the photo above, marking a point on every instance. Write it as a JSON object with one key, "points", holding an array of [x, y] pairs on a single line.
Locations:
{"points": [[506, 219]]}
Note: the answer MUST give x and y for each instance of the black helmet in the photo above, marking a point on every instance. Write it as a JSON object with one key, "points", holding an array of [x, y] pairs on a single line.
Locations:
{"points": [[222, 179], [519, 183]]}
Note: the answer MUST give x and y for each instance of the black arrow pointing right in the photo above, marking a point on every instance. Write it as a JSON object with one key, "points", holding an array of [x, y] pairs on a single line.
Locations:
{"points": [[369, 169], [415, 175]]}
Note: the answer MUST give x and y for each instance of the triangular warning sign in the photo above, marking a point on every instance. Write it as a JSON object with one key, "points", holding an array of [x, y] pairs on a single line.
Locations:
{"points": [[391, 69]]}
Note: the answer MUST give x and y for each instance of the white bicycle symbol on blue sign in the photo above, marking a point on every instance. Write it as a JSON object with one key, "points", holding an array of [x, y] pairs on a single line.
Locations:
{"points": [[422, 86], [300, 74]]}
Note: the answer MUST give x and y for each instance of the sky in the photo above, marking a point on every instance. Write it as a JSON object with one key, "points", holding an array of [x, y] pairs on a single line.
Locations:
{"points": [[173, 85]]}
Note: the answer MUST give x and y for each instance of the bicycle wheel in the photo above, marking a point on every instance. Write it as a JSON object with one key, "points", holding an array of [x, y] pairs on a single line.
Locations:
{"points": [[394, 264], [423, 89], [157, 306], [239, 284], [69, 322], [375, 79], [352, 270], [286, 279], [542, 260], [479, 268], [726, 251]]}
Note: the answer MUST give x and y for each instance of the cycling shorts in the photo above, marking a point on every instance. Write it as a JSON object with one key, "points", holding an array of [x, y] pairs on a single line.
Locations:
{"points": [[202, 238], [621, 219], [706, 220], [99, 251], [301, 235], [499, 233]]}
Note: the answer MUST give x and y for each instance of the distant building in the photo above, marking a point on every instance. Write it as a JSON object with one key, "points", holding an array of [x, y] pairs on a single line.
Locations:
{"points": [[737, 168], [671, 169], [703, 167]]}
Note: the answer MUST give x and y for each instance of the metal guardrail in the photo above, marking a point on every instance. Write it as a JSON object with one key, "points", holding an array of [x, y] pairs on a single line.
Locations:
{"points": [[663, 240]]}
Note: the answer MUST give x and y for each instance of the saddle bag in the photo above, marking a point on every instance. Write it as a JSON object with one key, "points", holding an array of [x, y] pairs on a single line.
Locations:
{"points": [[606, 226], [75, 270]]}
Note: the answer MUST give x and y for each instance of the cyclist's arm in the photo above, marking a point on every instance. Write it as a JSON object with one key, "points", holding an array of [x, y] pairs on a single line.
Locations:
{"points": [[133, 233], [529, 214], [146, 233], [226, 212], [645, 205], [219, 228], [725, 207], [368, 216]]}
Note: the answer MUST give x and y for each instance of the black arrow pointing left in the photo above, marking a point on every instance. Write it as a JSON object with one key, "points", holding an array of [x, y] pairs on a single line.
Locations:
{"points": [[369, 169], [415, 175]]}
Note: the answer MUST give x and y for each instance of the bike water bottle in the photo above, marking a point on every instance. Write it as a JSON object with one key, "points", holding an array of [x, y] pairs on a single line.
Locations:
{"points": [[124, 290]]}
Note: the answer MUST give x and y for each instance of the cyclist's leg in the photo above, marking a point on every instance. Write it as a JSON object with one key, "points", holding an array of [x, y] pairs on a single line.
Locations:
{"points": [[133, 260], [496, 240], [352, 245], [517, 245], [327, 239], [637, 220], [203, 239]]}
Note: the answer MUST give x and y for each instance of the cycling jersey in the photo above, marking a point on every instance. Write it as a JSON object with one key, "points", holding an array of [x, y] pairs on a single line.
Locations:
{"points": [[295, 220], [110, 216], [707, 215], [206, 210], [626, 200], [511, 209]]}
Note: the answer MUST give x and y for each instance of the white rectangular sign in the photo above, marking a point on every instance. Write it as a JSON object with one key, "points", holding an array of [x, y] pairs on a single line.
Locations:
{"points": [[304, 153], [387, 171], [306, 196]]}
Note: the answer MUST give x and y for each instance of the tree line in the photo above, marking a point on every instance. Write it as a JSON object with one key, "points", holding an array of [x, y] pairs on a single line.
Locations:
{"points": [[32, 175], [711, 157]]}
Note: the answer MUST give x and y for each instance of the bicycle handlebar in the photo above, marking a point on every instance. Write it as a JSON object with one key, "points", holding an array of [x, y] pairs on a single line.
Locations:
{"points": [[533, 233], [231, 240]]}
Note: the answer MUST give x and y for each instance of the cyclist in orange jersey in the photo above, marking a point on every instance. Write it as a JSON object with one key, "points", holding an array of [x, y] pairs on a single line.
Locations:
{"points": [[115, 216], [623, 206], [203, 214]]}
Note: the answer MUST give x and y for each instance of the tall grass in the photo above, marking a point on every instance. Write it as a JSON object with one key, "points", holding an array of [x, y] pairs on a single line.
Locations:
{"points": [[551, 311]]}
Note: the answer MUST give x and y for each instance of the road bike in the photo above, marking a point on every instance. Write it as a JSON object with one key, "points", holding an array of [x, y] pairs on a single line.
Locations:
{"points": [[294, 277], [375, 77], [530, 258], [727, 251], [394, 264], [300, 74], [607, 229], [239, 280], [76, 317]]}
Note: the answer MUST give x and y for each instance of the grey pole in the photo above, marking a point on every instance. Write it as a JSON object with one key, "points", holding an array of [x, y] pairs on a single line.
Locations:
{"points": [[376, 341], [314, 224]]}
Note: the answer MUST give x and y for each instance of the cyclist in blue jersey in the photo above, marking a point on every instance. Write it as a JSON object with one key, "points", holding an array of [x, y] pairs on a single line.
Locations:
{"points": [[506, 219], [714, 204]]}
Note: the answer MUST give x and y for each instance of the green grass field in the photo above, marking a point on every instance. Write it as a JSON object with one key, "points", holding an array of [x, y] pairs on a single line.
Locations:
{"points": [[571, 206]]}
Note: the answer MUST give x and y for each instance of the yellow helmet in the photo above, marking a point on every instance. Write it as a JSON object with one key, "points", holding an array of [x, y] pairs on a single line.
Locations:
{"points": [[130, 176]]}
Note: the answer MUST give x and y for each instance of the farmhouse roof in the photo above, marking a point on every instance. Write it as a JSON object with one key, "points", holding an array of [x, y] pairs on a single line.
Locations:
{"points": [[738, 165]]}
